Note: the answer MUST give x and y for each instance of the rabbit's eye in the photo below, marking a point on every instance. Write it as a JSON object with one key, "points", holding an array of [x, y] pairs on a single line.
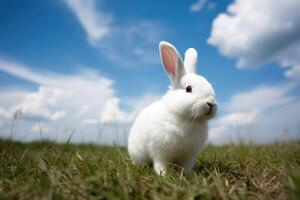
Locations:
{"points": [[188, 89]]}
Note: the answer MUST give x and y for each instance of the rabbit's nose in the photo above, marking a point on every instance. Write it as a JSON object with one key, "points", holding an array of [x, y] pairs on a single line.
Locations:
{"points": [[210, 104]]}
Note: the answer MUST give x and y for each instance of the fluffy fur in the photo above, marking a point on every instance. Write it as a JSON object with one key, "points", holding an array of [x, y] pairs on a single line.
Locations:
{"points": [[174, 129]]}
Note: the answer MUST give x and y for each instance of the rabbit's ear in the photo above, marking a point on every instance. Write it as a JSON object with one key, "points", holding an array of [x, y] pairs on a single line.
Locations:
{"points": [[190, 60], [172, 63]]}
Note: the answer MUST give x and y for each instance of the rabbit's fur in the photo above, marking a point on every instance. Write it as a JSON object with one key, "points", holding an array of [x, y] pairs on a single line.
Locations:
{"points": [[174, 129]]}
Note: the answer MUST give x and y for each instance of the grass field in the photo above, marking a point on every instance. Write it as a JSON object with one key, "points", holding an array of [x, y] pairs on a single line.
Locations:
{"points": [[44, 170]]}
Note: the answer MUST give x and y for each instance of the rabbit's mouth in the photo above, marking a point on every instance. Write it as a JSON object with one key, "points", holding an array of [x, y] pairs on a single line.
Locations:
{"points": [[211, 111], [200, 111], [208, 114]]}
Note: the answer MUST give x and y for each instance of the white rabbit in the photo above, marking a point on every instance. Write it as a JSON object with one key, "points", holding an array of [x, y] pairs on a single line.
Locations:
{"points": [[174, 129]]}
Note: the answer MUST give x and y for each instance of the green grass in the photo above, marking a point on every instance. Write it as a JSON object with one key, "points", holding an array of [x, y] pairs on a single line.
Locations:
{"points": [[44, 170]]}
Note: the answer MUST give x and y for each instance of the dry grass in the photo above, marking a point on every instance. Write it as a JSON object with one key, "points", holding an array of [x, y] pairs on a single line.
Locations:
{"points": [[44, 170]]}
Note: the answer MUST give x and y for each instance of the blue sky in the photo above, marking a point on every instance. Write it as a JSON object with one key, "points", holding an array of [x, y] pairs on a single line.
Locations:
{"points": [[85, 65]]}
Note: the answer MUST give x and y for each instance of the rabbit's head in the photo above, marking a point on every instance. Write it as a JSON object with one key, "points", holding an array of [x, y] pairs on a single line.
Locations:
{"points": [[190, 96]]}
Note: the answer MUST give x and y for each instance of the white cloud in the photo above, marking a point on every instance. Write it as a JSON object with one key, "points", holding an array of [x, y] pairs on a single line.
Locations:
{"points": [[39, 128], [96, 24], [112, 112], [84, 109], [293, 72], [17, 69], [37, 105], [65, 99], [56, 94], [139, 103], [269, 108], [261, 98], [139, 38], [211, 5], [4, 113], [58, 115], [239, 118], [82, 102], [198, 5], [232, 120], [257, 32], [90, 121]]}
